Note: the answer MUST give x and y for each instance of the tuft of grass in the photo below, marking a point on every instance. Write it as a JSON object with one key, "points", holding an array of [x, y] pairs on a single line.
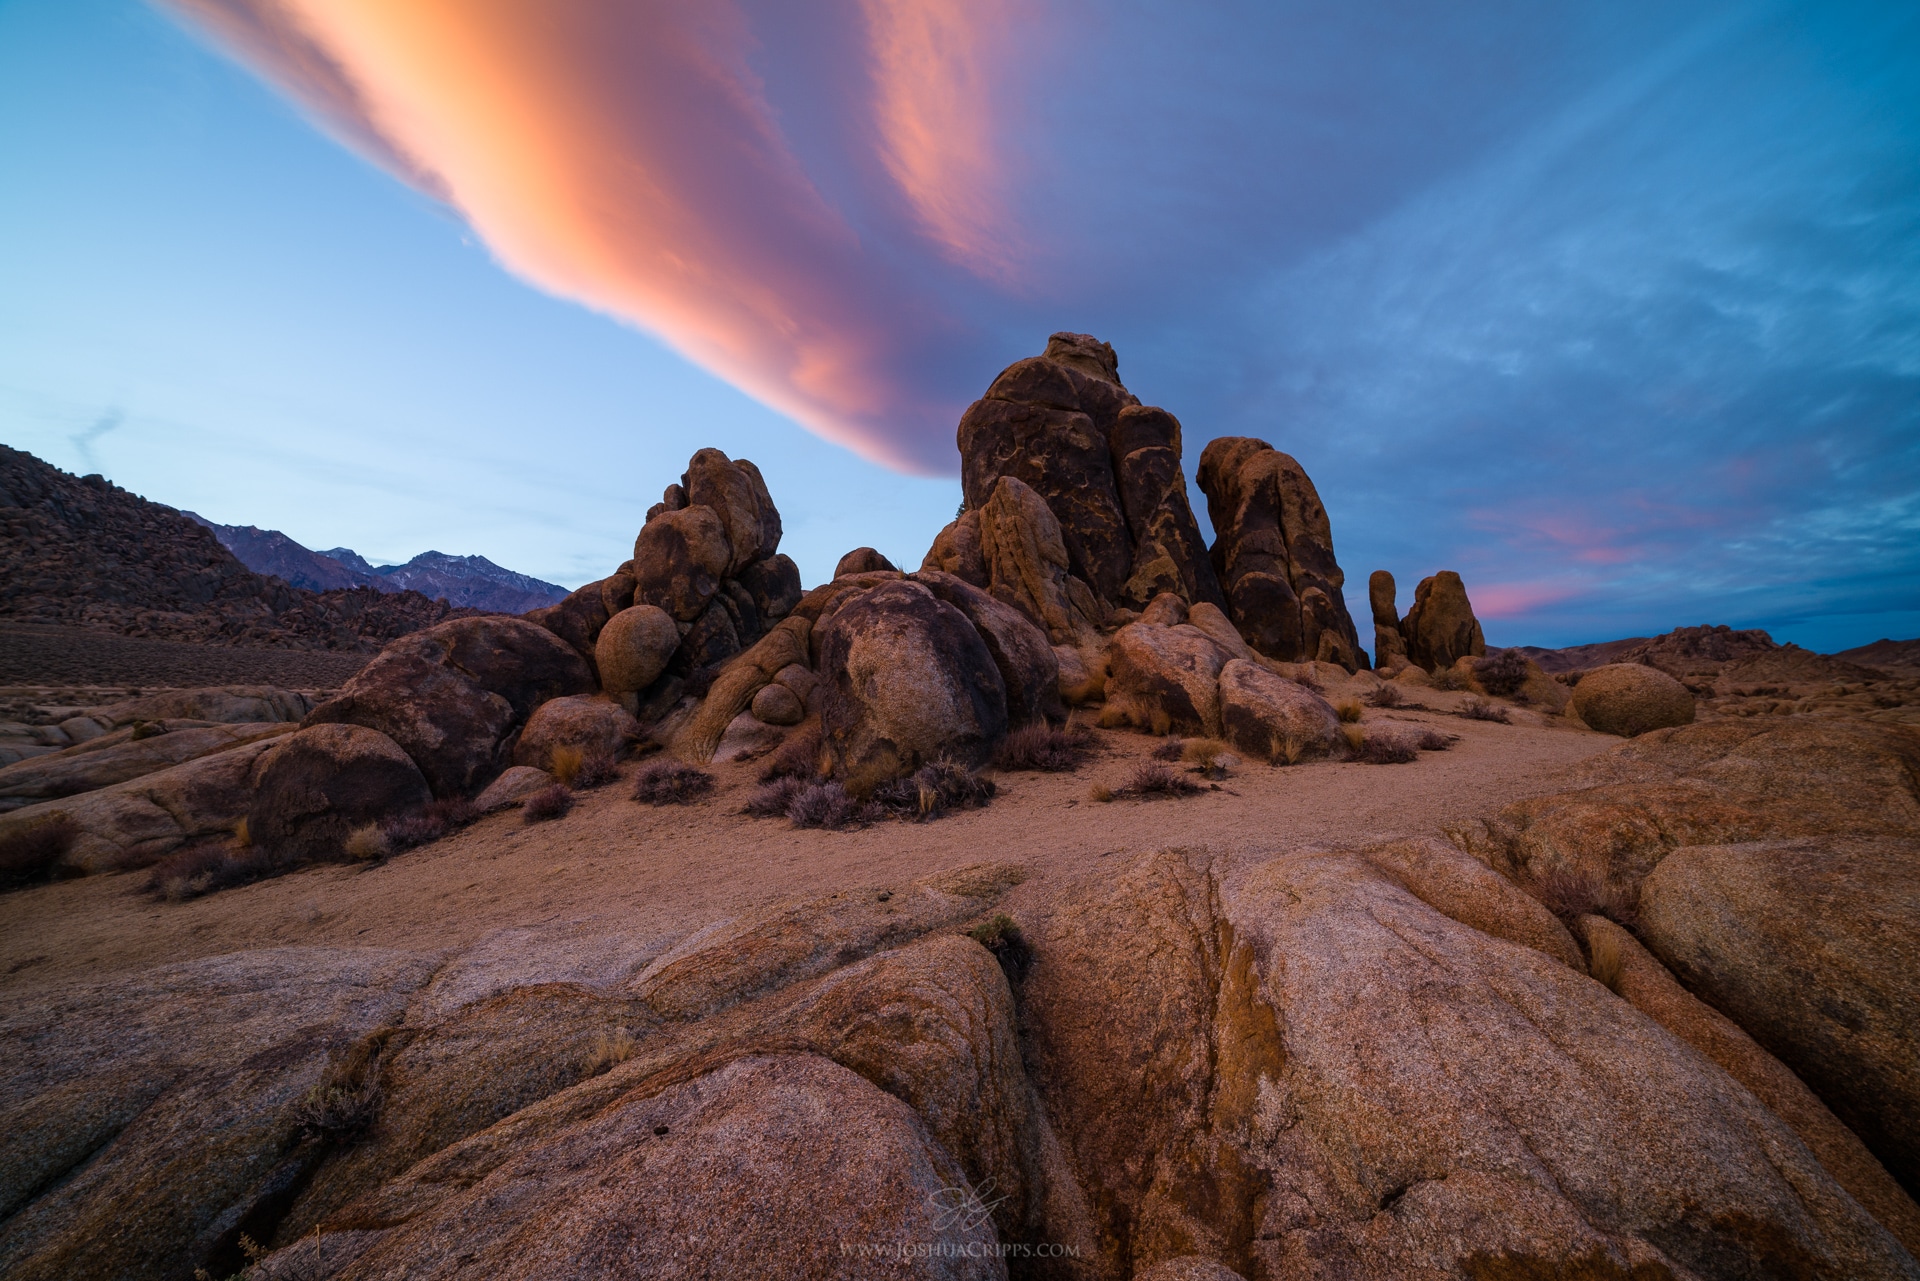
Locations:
{"points": [[1604, 961], [1153, 779], [670, 783], [1100, 792], [610, 1049], [1356, 736], [1503, 674], [1479, 709], [242, 834], [1388, 695], [1286, 748], [799, 756], [1573, 892], [1432, 740], [564, 762], [1043, 747], [548, 803], [1169, 750], [33, 854], [933, 791], [367, 843], [1001, 936], [1378, 749], [596, 770], [1348, 710], [1209, 757], [346, 1101]]}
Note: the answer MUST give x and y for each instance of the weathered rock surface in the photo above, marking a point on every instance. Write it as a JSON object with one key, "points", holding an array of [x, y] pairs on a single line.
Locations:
{"points": [[1813, 947], [906, 680], [862, 560], [1029, 668], [577, 620], [1273, 554], [735, 491], [1389, 646], [679, 559], [453, 696], [226, 704], [1165, 680], [956, 550], [595, 724], [1440, 628], [634, 647], [1027, 564], [776, 704], [1107, 468], [1278, 720], [1630, 698], [118, 756], [773, 584], [316, 785], [514, 785]]}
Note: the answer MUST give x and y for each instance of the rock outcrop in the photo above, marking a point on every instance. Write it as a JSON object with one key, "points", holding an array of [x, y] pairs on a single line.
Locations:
{"points": [[1440, 629], [595, 725], [1631, 698], [1273, 554], [314, 787], [1389, 646], [1107, 468], [1270, 717], [862, 560]]}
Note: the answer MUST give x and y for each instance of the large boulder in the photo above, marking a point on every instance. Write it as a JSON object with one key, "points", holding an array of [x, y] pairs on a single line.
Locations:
{"points": [[577, 620], [1389, 646], [225, 704], [118, 756], [320, 783], [452, 696], [1440, 628], [1273, 554], [862, 560], [1165, 680], [736, 492], [956, 550], [633, 648], [1629, 699], [595, 724], [1027, 663], [773, 584], [1268, 716], [1027, 563], [907, 680], [1107, 468], [1812, 946], [679, 559]]}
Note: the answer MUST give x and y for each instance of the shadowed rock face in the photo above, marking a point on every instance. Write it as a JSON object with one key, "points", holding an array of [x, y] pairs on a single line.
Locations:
{"points": [[318, 784], [1440, 628], [1273, 554], [1107, 467]]}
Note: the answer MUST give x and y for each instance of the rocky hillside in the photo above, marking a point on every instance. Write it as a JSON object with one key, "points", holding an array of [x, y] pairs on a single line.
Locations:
{"points": [[472, 582], [81, 551]]}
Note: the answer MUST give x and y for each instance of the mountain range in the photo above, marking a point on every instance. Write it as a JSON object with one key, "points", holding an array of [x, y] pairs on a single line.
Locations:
{"points": [[473, 582]]}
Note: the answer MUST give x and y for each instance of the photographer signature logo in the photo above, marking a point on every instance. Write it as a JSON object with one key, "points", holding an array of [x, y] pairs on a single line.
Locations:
{"points": [[965, 1206]]}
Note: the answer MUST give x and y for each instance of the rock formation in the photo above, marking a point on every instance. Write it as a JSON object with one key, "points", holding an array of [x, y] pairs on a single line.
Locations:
{"points": [[1631, 698], [1440, 628], [1273, 553], [1389, 646], [1106, 467]]}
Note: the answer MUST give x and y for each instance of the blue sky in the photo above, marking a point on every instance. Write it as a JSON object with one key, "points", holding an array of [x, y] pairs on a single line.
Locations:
{"points": [[1613, 308]]}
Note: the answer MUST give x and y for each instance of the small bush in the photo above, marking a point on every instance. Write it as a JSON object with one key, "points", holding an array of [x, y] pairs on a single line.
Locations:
{"points": [[1573, 892], [826, 806], [1503, 674], [32, 854], [430, 824], [347, 1099], [1388, 695], [1450, 678], [610, 1049], [1100, 792], [1209, 757], [1153, 779], [1169, 750], [1043, 747], [798, 757], [548, 803], [670, 783], [932, 791], [1348, 710], [368, 843], [596, 770], [1432, 740], [1379, 749], [772, 799], [1355, 735], [1287, 748], [204, 869], [564, 762], [1002, 937], [1479, 709]]}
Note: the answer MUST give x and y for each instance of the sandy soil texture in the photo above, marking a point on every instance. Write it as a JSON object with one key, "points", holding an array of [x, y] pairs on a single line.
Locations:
{"points": [[625, 877]]}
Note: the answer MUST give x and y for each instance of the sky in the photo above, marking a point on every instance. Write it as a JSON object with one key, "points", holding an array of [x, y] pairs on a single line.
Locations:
{"points": [[1613, 307]]}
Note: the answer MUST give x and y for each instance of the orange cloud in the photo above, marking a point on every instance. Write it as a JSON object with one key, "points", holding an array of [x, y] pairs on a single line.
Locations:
{"points": [[625, 155]]}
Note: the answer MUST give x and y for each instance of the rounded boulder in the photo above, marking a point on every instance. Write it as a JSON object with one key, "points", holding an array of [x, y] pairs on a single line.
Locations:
{"points": [[595, 724], [633, 648], [1266, 715], [1629, 699], [776, 704], [1165, 680], [679, 559], [318, 784]]}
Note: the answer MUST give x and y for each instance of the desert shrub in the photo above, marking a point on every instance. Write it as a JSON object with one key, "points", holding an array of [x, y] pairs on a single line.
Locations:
{"points": [[1100, 792], [1573, 892], [1170, 749], [798, 756], [1348, 710], [771, 799], [670, 783], [430, 824], [1479, 709], [1450, 678], [564, 761], [932, 791], [610, 1049], [548, 803], [1153, 779], [1380, 749], [1044, 747], [1388, 695], [1001, 936], [206, 868], [827, 806], [1209, 757], [1503, 674], [1355, 735], [1432, 740], [347, 1099], [596, 770], [32, 854], [367, 843]]}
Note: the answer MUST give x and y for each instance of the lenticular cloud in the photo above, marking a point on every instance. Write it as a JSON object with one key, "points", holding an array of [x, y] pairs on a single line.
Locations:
{"points": [[627, 156]]}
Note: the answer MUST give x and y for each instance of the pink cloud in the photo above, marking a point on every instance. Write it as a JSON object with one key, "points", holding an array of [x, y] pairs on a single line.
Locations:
{"points": [[1517, 600]]}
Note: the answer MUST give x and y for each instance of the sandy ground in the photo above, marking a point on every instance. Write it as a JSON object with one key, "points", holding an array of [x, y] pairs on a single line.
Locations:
{"points": [[638, 876]]}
